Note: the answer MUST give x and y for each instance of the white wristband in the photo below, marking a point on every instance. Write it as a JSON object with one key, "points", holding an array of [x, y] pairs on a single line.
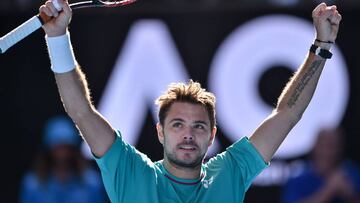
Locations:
{"points": [[61, 53]]}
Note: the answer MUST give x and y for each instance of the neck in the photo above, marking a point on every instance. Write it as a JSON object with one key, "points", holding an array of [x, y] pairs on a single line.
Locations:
{"points": [[182, 172]]}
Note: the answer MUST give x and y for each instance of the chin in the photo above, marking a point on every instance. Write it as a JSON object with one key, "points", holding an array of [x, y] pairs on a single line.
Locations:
{"points": [[189, 163]]}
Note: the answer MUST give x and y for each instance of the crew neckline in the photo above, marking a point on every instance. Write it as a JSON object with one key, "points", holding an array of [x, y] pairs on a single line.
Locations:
{"points": [[182, 181]]}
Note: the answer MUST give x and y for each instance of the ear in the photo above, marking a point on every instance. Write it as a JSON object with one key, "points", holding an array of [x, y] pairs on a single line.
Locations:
{"points": [[212, 136], [160, 133]]}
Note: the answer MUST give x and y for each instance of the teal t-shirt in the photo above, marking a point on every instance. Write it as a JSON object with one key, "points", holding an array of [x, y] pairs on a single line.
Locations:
{"points": [[130, 176]]}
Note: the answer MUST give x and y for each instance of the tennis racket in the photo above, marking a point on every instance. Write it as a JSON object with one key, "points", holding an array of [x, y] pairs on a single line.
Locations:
{"points": [[37, 21]]}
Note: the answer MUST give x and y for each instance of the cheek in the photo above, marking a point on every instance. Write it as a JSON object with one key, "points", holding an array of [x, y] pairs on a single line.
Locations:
{"points": [[169, 141], [205, 141], [205, 144]]}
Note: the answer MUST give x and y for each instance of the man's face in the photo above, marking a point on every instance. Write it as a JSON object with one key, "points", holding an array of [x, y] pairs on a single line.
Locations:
{"points": [[63, 156], [186, 134]]}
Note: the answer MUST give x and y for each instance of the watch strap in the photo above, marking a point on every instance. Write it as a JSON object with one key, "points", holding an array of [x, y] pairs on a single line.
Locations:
{"points": [[326, 54]]}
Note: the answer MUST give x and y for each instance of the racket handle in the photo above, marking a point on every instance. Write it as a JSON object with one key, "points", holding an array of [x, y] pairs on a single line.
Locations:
{"points": [[19, 33], [56, 5]]}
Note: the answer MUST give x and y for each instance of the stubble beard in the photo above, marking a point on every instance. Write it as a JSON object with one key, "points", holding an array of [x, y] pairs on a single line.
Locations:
{"points": [[171, 156]]}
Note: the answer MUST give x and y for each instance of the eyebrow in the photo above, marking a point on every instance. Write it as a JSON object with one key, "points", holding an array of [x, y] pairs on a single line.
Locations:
{"points": [[182, 120], [201, 122], [176, 119]]}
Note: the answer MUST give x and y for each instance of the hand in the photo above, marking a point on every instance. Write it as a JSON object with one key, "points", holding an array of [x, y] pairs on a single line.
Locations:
{"points": [[58, 21], [326, 20]]}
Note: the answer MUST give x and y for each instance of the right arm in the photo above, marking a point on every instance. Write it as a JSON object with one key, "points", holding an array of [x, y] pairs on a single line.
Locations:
{"points": [[74, 91], [75, 96]]}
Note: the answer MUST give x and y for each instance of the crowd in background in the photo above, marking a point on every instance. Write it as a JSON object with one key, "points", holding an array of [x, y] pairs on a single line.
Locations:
{"points": [[328, 175], [60, 173]]}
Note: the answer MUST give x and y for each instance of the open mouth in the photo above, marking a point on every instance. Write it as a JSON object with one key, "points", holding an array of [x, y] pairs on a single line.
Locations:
{"points": [[187, 147]]}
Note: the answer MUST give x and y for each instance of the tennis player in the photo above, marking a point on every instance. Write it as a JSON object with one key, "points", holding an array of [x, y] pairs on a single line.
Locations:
{"points": [[186, 127]]}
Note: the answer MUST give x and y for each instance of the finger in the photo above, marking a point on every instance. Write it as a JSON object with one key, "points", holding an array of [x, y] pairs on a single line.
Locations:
{"points": [[62, 2], [339, 17], [44, 9], [336, 19], [332, 17], [319, 9], [321, 6], [326, 14], [52, 8], [66, 7], [335, 13]]}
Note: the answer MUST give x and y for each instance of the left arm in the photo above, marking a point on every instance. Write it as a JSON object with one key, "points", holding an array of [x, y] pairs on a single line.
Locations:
{"points": [[298, 92]]}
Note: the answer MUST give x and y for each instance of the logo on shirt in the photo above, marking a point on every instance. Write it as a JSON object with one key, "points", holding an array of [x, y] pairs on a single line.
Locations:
{"points": [[207, 183]]}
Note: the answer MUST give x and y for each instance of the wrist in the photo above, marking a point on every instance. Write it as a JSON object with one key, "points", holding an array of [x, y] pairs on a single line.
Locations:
{"points": [[56, 33], [323, 44], [61, 53], [318, 51]]}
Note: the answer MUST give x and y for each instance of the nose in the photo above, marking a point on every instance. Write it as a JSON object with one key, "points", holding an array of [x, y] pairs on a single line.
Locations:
{"points": [[188, 134]]}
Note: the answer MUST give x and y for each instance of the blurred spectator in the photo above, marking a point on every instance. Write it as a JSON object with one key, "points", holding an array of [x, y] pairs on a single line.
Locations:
{"points": [[60, 173], [27, 4], [327, 177]]}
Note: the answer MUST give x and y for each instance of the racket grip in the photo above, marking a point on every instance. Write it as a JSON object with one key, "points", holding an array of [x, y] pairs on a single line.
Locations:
{"points": [[19, 33], [56, 5]]}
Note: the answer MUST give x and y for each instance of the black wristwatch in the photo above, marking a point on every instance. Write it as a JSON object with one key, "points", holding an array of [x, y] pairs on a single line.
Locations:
{"points": [[326, 54]]}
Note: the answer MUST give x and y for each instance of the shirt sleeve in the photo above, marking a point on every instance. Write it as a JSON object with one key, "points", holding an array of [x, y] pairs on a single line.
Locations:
{"points": [[247, 159], [241, 161], [122, 168]]}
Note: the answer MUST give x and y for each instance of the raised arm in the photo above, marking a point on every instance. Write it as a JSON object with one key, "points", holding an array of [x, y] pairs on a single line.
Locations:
{"points": [[71, 82], [298, 92]]}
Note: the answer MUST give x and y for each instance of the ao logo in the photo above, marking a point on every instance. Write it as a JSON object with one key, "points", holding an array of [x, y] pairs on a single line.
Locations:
{"points": [[149, 61]]}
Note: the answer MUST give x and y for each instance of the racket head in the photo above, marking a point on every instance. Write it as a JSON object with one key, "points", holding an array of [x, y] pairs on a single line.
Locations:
{"points": [[101, 3]]}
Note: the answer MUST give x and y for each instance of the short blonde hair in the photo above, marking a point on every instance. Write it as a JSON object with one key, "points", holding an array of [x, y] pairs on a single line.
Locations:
{"points": [[191, 92]]}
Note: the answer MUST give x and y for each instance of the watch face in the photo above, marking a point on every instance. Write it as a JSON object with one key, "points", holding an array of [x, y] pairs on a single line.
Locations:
{"points": [[320, 52]]}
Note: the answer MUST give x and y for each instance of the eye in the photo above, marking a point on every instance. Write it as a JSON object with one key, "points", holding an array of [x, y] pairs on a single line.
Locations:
{"points": [[199, 126], [177, 125]]}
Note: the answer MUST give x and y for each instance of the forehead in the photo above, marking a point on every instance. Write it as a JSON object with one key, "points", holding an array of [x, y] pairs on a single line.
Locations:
{"points": [[187, 111]]}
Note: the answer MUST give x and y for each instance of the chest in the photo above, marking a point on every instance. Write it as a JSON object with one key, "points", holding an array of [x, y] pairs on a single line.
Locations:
{"points": [[217, 188]]}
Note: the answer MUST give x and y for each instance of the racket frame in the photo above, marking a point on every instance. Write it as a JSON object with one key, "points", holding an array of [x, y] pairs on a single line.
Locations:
{"points": [[37, 21]]}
